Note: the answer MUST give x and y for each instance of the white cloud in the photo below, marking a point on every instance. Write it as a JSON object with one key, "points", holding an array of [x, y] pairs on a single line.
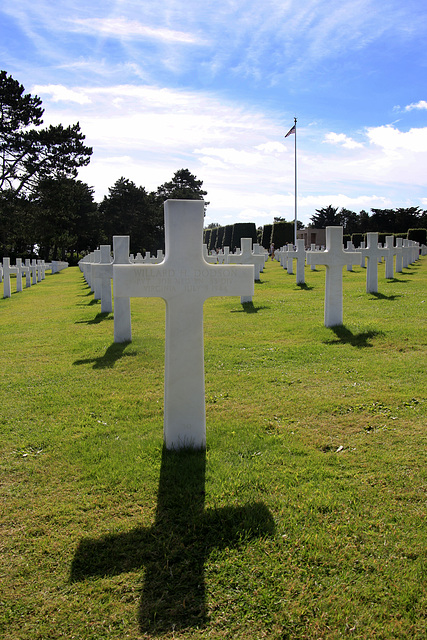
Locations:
{"points": [[271, 147], [59, 93], [249, 215], [391, 139], [230, 156], [422, 104], [342, 139], [123, 28], [341, 200]]}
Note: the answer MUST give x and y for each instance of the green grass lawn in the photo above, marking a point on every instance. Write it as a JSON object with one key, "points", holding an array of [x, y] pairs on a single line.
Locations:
{"points": [[304, 519]]}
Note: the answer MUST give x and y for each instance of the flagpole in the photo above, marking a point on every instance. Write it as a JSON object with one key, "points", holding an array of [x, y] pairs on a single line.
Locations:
{"points": [[296, 199], [293, 131]]}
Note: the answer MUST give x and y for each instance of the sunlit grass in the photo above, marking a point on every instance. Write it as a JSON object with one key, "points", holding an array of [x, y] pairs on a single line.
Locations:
{"points": [[304, 519]]}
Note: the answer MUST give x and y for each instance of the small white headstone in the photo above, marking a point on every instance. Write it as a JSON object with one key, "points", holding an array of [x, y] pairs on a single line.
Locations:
{"points": [[389, 260], [7, 271], [122, 317], [372, 254]]}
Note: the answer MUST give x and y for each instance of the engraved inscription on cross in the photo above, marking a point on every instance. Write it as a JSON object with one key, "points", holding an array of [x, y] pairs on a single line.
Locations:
{"points": [[334, 258], [184, 280]]}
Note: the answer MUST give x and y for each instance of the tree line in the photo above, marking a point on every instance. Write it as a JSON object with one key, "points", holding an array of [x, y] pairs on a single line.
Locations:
{"points": [[391, 221]]}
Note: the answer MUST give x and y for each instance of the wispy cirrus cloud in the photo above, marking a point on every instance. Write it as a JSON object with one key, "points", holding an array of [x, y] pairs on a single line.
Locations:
{"points": [[121, 27], [263, 40]]}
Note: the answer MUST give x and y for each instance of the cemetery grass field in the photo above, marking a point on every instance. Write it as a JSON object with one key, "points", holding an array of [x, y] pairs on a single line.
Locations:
{"points": [[305, 519]]}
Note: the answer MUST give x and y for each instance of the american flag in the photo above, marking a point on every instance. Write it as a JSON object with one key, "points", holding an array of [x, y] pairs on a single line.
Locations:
{"points": [[291, 131]]}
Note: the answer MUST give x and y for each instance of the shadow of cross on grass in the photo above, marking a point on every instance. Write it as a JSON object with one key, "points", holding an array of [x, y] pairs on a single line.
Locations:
{"points": [[114, 352], [173, 551], [345, 336]]}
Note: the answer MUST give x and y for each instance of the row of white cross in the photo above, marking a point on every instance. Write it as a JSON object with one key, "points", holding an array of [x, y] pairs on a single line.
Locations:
{"points": [[33, 270], [185, 278], [334, 258], [406, 252]]}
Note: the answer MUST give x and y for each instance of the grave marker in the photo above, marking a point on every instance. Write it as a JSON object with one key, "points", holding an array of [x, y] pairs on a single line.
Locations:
{"points": [[7, 271], [334, 258], [399, 255], [105, 276], [20, 270], [122, 318], [184, 280], [389, 260], [372, 254], [246, 256], [96, 280]]}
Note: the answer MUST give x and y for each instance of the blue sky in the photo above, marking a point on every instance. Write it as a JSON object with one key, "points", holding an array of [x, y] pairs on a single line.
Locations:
{"points": [[215, 86]]}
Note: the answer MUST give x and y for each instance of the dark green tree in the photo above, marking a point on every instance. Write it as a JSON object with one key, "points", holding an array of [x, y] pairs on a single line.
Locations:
{"points": [[349, 220], [29, 153], [65, 220], [326, 217], [409, 218], [383, 221], [17, 228], [183, 186], [130, 210], [364, 222]]}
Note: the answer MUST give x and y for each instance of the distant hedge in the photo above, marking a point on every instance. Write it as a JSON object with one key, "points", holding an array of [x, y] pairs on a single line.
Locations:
{"points": [[282, 233], [220, 238], [357, 238], [212, 242], [266, 236], [419, 235], [207, 237], [228, 236], [242, 230]]}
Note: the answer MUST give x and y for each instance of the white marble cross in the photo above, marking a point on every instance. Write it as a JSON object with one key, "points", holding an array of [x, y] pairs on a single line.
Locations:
{"points": [[350, 247], [7, 270], [399, 255], [334, 258], [96, 280], [184, 280], [260, 251], [389, 259], [20, 270], [372, 252], [290, 255], [122, 317], [32, 271], [105, 276], [406, 254], [247, 256], [299, 254]]}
